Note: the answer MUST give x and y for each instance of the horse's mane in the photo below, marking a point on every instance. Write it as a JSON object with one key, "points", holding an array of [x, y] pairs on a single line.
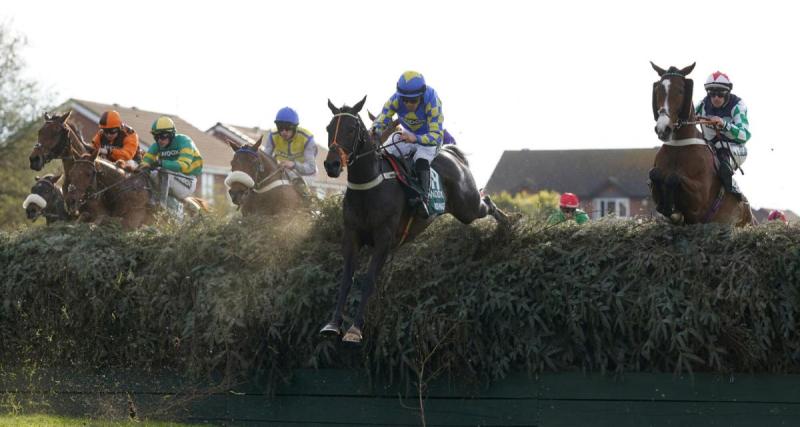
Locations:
{"points": [[110, 165], [457, 152]]}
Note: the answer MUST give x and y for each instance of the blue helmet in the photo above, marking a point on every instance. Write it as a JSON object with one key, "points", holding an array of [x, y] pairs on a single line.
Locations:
{"points": [[287, 115], [411, 84]]}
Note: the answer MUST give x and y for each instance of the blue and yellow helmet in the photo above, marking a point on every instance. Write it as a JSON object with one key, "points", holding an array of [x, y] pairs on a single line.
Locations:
{"points": [[287, 115], [411, 84]]}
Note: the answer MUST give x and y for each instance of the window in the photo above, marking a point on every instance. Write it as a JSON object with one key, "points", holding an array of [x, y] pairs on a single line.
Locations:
{"points": [[207, 187], [612, 206]]}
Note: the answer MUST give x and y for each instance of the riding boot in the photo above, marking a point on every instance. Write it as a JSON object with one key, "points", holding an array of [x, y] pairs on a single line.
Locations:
{"points": [[726, 176], [423, 168], [163, 194]]}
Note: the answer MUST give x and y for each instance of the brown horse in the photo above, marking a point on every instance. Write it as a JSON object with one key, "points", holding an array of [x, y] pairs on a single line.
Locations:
{"points": [[47, 200], [57, 139], [683, 182], [99, 189], [375, 211], [257, 184]]}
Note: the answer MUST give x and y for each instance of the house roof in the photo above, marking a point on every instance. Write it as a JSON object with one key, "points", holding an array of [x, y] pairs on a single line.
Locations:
{"points": [[583, 172], [216, 155]]}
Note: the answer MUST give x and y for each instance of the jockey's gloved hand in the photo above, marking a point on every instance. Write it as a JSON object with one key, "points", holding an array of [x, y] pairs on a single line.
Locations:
{"points": [[105, 151]]}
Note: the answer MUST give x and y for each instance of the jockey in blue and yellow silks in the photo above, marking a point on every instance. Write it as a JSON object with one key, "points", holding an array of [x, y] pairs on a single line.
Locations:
{"points": [[420, 112], [292, 146]]}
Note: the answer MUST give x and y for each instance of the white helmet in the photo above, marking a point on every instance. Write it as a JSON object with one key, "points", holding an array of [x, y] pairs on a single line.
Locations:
{"points": [[718, 80]]}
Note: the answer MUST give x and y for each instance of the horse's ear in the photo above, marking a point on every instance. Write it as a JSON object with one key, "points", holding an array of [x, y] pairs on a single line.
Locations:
{"points": [[688, 69], [359, 105], [54, 178], [38, 177], [234, 145], [658, 69], [371, 116], [64, 117], [47, 116], [687, 106], [332, 107], [258, 143]]}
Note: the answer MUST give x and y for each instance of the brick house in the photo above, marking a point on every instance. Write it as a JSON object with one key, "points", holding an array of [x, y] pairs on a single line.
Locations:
{"points": [[607, 181], [321, 183], [216, 155]]}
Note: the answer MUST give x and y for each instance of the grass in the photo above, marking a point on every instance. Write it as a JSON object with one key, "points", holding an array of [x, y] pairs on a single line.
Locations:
{"points": [[42, 420]]}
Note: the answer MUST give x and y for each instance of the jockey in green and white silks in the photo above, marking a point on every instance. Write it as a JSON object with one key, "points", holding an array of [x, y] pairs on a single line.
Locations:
{"points": [[420, 112], [731, 130], [178, 161]]}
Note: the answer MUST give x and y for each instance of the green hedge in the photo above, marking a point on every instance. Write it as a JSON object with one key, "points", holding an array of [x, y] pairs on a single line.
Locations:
{"points": [[247, 297]]}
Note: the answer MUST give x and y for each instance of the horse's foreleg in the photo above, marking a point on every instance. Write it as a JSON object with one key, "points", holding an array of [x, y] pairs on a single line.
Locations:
{"points": [[382, 245], [671, 187], [350, 248]]}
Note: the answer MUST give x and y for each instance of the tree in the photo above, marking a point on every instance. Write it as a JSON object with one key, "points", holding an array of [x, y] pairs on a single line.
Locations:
{"points": [[20, 107], [20, 101], [537, 206]]}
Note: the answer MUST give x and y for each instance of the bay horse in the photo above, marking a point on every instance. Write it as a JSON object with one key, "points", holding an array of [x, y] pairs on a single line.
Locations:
{"points": [[46, 199], [375, 211], [683, 182], [257, 184], [57, 139], [99, 189]]}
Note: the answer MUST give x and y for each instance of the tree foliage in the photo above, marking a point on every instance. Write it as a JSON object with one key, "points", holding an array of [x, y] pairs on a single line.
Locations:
{"points": [[536, 206], [20, 107]]}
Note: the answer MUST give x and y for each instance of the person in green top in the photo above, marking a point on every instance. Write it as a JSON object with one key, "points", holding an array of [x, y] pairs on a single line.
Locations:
{"points": [[174, 162], [568, 210]]}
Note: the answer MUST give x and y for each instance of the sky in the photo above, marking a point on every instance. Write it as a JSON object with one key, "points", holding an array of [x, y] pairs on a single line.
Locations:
{"points": [[511, 75]]}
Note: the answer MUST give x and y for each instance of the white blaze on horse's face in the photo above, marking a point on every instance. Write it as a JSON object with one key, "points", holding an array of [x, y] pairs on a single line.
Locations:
{"points": [[663, 112]]}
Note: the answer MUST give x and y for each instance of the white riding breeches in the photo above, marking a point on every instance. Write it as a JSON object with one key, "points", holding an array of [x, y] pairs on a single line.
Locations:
{"points": [[739, 152], [409, 149], [179, 185]]}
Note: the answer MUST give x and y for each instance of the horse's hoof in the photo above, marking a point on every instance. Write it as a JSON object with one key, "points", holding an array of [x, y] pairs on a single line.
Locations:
{"points": [[331, 330], [353, 335]]}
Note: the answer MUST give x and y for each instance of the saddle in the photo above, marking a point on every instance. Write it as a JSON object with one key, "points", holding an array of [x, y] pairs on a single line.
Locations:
{"points": [[406, 174]]}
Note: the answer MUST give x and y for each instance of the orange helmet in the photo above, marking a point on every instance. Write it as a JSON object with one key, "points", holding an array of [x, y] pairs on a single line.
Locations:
{"points": [[569, 200], [110, 120]]}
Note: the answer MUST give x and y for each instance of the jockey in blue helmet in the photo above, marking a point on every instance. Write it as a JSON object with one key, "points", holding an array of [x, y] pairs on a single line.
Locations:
{"points": [[420, 112], [291, 145]]}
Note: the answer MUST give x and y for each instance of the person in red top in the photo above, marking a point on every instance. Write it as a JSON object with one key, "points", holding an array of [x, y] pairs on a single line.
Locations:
{"points": [[116, 140], [777, 215]]}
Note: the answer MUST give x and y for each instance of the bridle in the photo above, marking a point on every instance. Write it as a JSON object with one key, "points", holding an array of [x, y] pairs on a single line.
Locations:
{"points": [[259, 183], [59, 150], [348, 159]]}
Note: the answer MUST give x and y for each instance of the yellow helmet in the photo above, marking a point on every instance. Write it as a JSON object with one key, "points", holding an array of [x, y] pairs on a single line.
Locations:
{"points": [[163, 125]]}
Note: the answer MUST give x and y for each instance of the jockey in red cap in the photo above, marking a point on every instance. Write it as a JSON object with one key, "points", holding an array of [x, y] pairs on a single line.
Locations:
{"points": [[568, 210]]}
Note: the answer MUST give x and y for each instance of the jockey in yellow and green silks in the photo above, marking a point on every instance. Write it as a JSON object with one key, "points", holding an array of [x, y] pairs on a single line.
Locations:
{"points": [[420, 112]]}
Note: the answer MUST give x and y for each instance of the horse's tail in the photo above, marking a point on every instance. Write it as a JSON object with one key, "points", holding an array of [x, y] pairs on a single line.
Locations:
{"points": [[456, 152]]}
